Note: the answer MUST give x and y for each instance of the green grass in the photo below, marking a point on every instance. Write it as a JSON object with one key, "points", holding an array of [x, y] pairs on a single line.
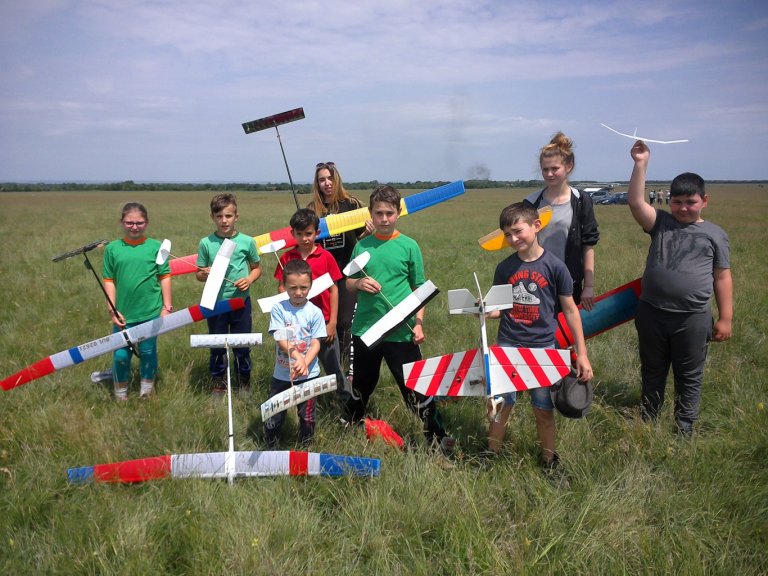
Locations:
{"points": [[641, 500]]}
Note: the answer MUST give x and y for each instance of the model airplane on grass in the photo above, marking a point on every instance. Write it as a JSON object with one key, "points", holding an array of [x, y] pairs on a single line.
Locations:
{"points": [[117, 340], [231, 464], [636, 137], [489, 370], [338, 223]]}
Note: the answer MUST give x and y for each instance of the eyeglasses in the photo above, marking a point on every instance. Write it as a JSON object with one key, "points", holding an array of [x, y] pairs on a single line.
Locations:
{"points": [[325, 165], [136, 224]]}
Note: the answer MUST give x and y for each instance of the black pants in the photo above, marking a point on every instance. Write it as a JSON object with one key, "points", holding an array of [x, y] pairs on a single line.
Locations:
{"points": [[680, 340], [367, 365]]}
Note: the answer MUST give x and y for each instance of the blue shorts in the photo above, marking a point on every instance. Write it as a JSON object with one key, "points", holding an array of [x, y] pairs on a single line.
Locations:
{"points": [[540, 397]]}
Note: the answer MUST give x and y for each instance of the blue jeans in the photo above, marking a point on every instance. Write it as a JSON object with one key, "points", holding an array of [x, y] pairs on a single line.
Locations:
{"points": [[235, 322]]}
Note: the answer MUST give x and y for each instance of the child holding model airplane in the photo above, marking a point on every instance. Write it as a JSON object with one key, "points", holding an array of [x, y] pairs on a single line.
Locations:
{"points": [[140, 290], [394, 270], [688, 260], [298, 327], [305, 226], [541, 281], [243, 270]]}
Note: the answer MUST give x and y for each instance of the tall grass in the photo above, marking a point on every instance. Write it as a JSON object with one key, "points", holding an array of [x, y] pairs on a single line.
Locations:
{"points": [[641, 499]]}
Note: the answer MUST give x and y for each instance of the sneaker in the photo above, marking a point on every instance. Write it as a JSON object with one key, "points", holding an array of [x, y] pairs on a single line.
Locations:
{"points": [[684, 429], [554, 472], [103, 376], [219, 386], [147, 389], [244, 386], [121, 393], [448, 446]]}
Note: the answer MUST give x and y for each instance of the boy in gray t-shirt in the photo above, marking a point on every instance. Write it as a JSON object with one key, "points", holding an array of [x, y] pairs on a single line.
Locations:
{"points": [[688, 260]]}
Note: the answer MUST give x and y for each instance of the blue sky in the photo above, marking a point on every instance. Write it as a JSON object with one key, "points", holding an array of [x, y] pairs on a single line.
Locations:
{"points": [[157, 90]]}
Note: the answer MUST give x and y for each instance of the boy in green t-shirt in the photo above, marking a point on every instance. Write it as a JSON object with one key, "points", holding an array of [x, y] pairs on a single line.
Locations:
{"points": [[243, 270], [394, 270]]}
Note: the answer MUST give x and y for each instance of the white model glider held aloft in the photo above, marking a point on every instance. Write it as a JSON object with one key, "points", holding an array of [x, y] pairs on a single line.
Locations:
{"points": [[118, 340], [231, 464], [636, 137], [490, 370]]}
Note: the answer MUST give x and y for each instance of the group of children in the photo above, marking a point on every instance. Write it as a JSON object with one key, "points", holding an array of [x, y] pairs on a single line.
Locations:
{"points": [[687, 261]]}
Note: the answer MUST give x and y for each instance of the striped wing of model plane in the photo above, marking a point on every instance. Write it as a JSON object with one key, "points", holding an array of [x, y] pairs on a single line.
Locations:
{"points": [[117, 340], [511, 370], [214, 465]]}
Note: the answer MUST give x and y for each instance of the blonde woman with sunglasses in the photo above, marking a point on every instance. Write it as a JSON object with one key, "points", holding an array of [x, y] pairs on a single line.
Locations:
{"points": [[330, 197]]}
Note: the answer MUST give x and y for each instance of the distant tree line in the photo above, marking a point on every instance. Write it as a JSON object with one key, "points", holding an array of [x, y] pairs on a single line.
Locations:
{"points": [[131, 186]]}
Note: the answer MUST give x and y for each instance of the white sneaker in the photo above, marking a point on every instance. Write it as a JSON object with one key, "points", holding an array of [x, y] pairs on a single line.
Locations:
{"points": [[121, 392], [147, 389], [99, 377]]}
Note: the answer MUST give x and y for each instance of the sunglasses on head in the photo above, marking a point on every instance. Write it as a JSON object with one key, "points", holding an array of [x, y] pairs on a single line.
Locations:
{"points": [[325, 165]]}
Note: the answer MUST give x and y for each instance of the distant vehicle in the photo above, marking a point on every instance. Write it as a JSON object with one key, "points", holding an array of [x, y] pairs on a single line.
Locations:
{"points": [[618, 198], [597, 195]]}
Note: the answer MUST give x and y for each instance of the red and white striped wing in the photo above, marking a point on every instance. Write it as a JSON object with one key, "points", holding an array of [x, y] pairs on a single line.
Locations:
{"points": [[517, 369], [512, 369], [459, 374]]}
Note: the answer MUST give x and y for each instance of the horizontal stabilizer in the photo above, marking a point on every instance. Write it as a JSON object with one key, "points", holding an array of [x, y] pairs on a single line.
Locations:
{"points": [[319, 285]]}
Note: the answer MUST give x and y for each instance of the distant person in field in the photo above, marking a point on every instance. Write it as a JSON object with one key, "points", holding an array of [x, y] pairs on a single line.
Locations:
{"points": [[572, 233], [243, 270], [140, 290], [395, 269], [329, 197], [688, 260], [542, 286], [305, 226], [298, 327]]}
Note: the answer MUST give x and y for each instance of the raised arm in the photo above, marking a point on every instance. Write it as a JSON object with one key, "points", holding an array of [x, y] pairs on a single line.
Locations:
{"points": [[644, 213]]}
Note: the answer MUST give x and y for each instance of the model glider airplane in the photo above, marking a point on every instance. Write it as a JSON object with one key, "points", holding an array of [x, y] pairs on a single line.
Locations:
{"points": [[398, 314], [117, 340], [610, 310], [636, 137], [490, 370], [339, 223], [231, 464], [495, 240], [217, 274]]}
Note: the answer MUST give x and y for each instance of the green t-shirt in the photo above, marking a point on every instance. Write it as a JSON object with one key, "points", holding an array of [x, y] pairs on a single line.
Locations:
{"points": [[244, 254], [397, 265], [136, 276]]}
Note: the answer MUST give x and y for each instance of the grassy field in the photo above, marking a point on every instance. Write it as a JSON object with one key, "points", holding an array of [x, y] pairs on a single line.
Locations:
{"points": [[641, 499]]}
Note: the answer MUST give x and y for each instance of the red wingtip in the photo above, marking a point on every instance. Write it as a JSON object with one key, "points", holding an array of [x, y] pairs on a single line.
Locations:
{"points": [[36, 370]]}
